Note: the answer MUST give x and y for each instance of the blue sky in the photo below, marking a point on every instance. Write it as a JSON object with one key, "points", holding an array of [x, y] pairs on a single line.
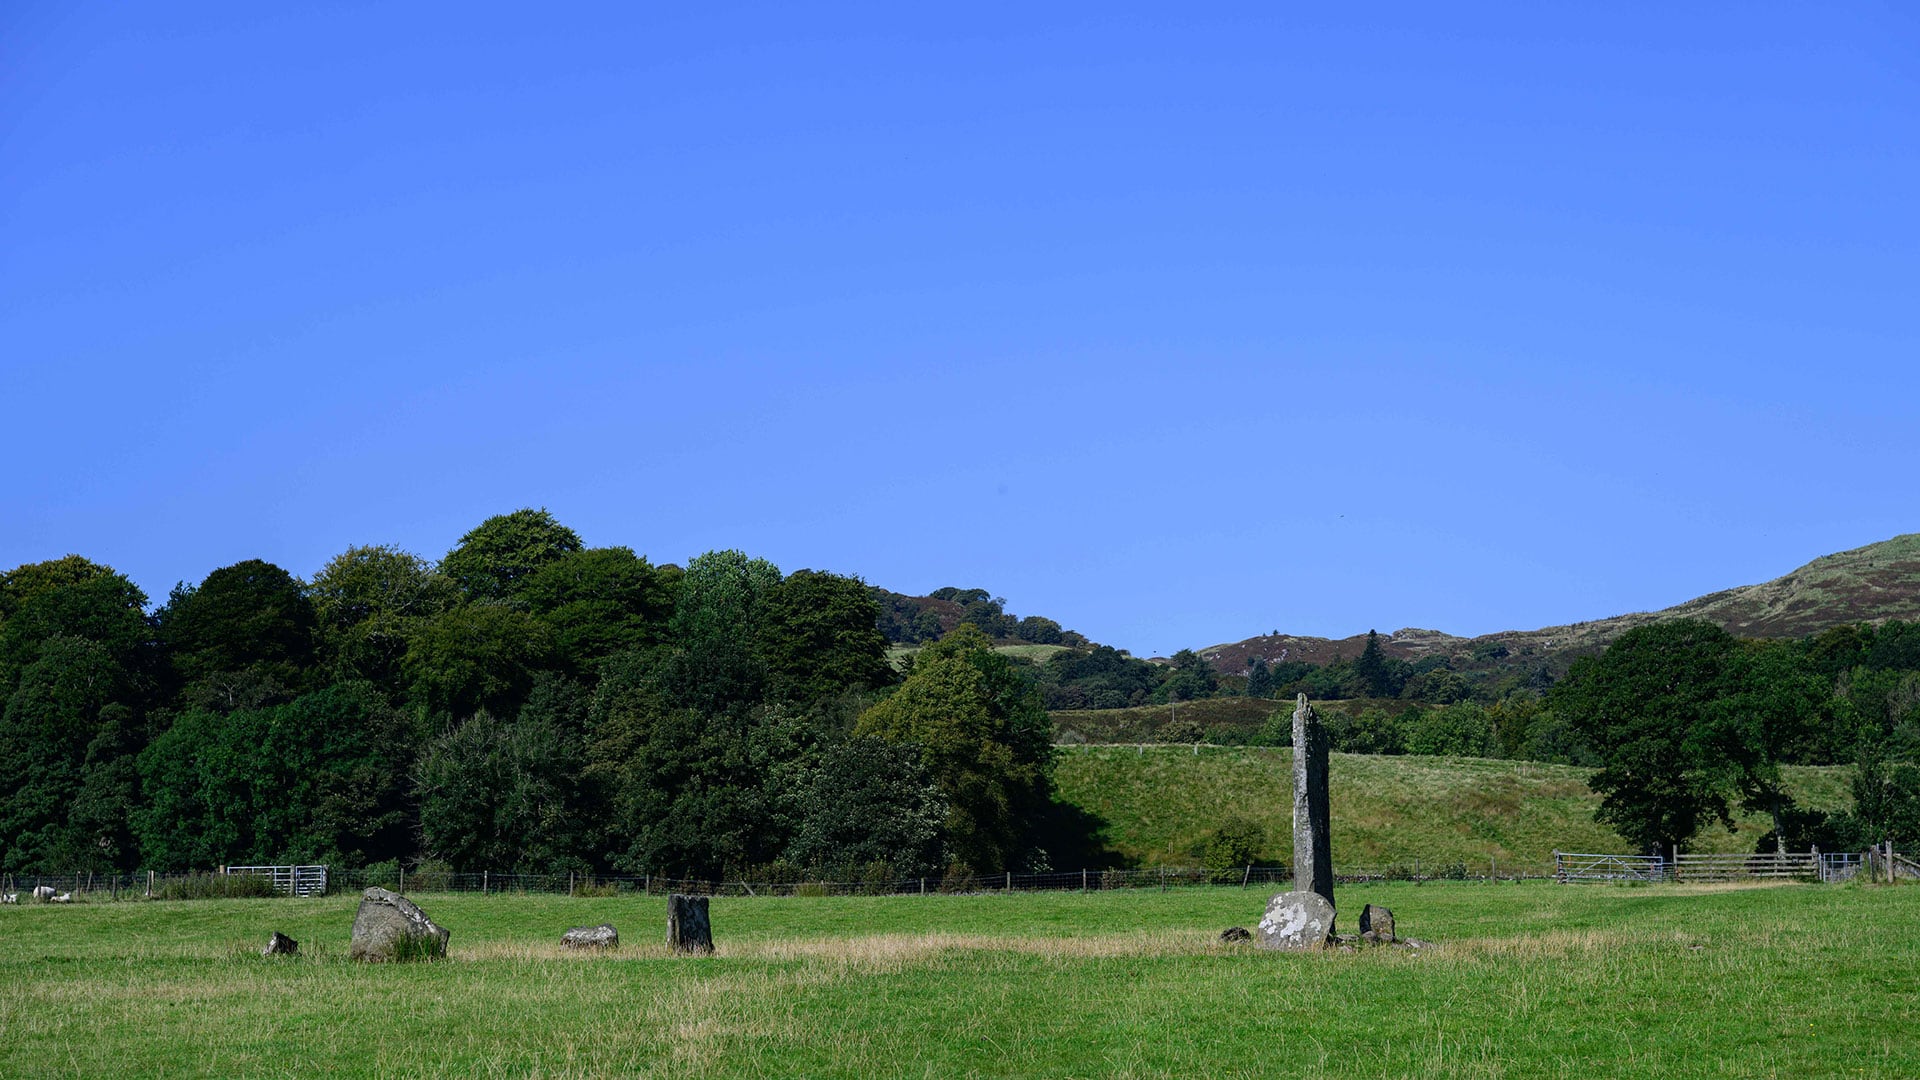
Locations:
{"points": [[1177, 327]]}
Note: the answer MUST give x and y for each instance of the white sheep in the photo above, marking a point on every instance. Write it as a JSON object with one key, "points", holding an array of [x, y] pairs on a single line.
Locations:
{"points": [[61, 898], [43, 893], [9, 898]]}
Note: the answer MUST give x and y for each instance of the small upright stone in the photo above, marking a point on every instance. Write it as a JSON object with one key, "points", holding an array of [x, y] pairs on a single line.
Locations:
{"points": [[603, 936], [1234, 934], [280, 945], [1378, 921], [1296, 921], [688, 928], [389, 926]]}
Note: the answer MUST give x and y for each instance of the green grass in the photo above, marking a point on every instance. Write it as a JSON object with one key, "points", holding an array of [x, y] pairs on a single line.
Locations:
{"points": [[1160, 802], [1531, 980], [1142, 723], [1036, 653]]}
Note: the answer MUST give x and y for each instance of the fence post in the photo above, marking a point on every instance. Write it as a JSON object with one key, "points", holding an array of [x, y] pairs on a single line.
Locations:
{"points": [[1009, 887], [1083, 879], [403, 880], [149, 884], [1246, 877], [569, 883], [923, 885]]}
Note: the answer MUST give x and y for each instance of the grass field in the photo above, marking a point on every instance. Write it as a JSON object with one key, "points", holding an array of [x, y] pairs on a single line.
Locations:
{"points": [[1159, 802], [1525, 980]]}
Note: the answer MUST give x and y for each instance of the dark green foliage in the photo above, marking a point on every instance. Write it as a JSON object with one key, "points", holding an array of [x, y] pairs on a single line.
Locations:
{"points": [[63, 736], [870, 801], [1100, 678], [1373, 671], [1190, 678], [493, 560], [319, 779], [1456, 730], [599, 602], [474, 657], [368, 601], [1259, 678], [1039, 630], [984, 739], [1236, 843], [1644, 706], [500, 795], [244, 636], [819, 637], [74, 598], [1372, 731], [1886, 800]]}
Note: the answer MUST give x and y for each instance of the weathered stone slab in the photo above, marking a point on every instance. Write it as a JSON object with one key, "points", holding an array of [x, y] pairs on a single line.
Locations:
{"points": [[1378, 921], [280, 945], [603, 936], [1312, 809], [389, 927], [688, 928], [1296, 921]]}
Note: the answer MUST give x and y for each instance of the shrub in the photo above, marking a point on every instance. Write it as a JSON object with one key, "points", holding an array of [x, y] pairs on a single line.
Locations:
{"points": [[1180, 731], [1235, 843]]}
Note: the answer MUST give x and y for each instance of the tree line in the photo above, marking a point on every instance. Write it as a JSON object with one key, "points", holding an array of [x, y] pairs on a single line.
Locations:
{"points": [[526, 703]]}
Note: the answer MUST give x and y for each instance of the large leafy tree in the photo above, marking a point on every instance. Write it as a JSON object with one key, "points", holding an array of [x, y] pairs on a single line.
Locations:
{"points": [[1645, 706], [869, 801], [501, 795], [720, 596], [499, 554], [71, 597], [473, 657], [599, 602], [244, 636], [367, 602], [65, 789], [820, 636], [984, 739]]}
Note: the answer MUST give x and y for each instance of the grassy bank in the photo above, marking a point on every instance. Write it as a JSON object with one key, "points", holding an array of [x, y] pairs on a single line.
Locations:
{"points": [[1159, 802], [1528, 980]]}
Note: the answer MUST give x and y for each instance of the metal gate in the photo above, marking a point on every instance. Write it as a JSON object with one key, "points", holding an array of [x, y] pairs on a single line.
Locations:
{"points": [[291, 880]]}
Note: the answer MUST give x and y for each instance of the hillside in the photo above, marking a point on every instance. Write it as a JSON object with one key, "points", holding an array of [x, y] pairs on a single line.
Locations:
{"points": [[1158, 803], [1869, 584]]}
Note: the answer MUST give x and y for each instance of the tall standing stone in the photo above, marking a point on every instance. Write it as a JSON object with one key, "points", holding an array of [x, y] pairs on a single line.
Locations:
{"points": [[1312, 815]]}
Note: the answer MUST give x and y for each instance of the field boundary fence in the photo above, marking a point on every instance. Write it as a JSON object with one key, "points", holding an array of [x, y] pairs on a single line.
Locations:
{"points": [[1589, 868], [322, 880]]}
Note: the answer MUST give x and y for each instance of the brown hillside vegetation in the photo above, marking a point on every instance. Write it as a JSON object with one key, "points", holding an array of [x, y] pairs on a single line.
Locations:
{"points": [[1869, 584]]}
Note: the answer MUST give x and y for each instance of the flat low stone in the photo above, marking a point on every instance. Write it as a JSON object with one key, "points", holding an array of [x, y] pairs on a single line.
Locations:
{"points": [[389, 926], [1296, 921], [603, 936], [280, 945], [1377, 920], [1235, 933]]}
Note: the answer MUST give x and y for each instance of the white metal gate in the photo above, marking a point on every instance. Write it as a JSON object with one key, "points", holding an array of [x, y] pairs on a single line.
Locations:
{"points": [[291, 880]]}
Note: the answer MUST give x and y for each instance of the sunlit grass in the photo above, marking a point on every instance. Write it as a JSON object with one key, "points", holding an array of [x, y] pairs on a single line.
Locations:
{"points": [[1524, 980]]}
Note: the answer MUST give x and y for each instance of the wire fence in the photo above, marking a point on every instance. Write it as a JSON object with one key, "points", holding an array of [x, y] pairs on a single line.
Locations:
{"points": [[263, 881]]}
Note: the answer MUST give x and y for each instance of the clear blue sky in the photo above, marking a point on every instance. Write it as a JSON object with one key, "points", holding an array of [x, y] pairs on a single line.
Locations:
{"points": [[1177, 327]]}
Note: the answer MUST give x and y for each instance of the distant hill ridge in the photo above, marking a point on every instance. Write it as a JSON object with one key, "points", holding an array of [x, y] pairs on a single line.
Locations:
{"points": [[1868, 584]]}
